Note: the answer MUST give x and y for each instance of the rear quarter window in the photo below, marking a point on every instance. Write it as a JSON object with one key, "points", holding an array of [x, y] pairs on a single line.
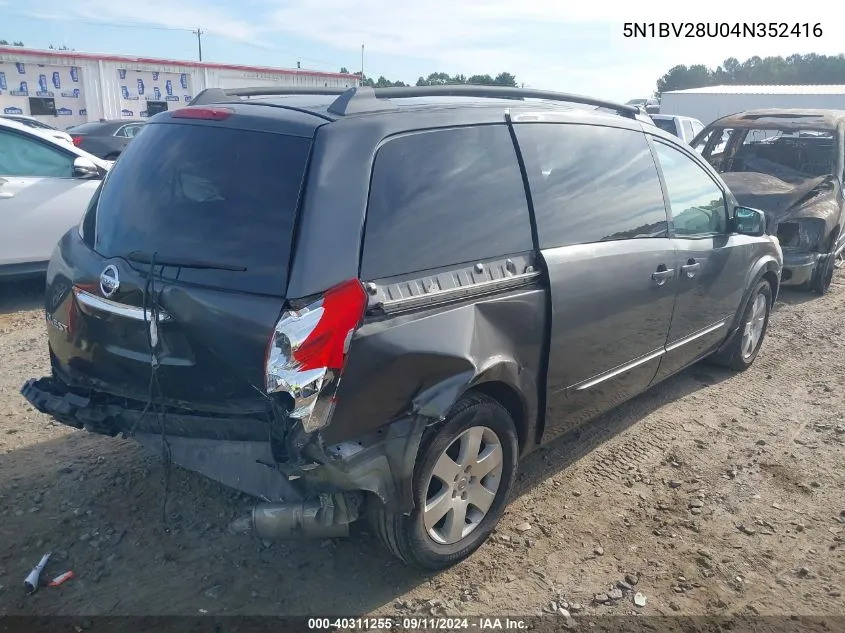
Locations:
{"points": [[444, 197]]}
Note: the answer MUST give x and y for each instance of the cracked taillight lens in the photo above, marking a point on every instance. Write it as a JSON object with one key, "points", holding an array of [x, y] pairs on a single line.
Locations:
{"points": [[307, 352]]}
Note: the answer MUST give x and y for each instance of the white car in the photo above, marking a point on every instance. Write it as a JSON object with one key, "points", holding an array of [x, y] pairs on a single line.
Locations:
{"points": [[684, 127], [35, 124], [45, 187]]}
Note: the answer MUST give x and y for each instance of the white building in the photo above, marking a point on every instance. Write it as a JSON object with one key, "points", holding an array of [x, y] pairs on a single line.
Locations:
{"points": [[709, 103], [64, 88]]}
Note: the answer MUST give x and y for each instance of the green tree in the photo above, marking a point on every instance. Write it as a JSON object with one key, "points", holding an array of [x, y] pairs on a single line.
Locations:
{"points": [[344, 70], [505, 79], [480, 80], [794, 69], [6, 43], [440, 79], [436, 79]]}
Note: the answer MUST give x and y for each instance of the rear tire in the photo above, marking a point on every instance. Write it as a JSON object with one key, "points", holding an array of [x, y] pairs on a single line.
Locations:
{"points": [[823, 277], [740, 353], [477, 428]]}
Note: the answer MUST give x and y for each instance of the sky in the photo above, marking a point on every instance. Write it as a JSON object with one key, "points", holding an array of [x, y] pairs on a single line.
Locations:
{"points": [[545, 44]]}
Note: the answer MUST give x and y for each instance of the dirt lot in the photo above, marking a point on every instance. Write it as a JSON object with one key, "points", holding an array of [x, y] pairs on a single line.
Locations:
{"points": [[714, 493]]}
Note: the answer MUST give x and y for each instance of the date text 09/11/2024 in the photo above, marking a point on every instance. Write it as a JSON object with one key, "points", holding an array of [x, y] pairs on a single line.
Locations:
{"points": [[722, 29], [419, 624]]}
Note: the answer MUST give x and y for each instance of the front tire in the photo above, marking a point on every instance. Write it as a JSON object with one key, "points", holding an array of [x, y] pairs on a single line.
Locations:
{"points": [[746, 343], [465, 470], [823, 278]]}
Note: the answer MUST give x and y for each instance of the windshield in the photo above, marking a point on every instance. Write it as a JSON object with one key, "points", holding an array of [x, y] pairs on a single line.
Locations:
{"points": [[667, 125], [790, 155], [205, 193], [37, 124]]}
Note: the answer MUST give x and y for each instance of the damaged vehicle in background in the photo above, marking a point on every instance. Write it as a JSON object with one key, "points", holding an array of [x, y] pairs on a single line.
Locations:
{"points": [[790, 164], [378, 301]]}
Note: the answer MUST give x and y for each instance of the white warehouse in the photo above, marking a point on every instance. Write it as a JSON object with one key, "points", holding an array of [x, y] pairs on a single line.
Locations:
{"points": [[709, 103], [65, 88]]}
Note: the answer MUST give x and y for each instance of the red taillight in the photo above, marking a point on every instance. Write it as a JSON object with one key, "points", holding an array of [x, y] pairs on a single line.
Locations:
{"points": [[307, 351], [325, 346], [77, 140], [201, 112]]}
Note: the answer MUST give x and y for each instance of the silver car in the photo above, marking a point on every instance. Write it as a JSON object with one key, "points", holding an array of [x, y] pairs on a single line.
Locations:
{"points": [[45, 186]]}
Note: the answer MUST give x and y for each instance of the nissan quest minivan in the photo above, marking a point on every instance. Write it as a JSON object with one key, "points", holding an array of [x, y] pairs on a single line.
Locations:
{"points": [[377, 302]]}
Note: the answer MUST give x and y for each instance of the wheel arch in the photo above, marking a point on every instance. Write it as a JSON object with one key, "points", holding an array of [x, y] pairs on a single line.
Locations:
{"points": [[767, 268], [510, 399]]}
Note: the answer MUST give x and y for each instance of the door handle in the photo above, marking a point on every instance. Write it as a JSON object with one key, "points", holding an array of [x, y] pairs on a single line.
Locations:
{"points": [[5, 195], [691, 268], [662, 274]]}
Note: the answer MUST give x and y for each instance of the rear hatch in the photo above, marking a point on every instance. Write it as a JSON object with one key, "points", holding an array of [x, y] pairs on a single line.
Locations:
{"points": [[196, 219]]}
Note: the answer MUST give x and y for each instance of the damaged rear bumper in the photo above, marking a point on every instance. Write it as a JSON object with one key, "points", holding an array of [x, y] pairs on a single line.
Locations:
{"points": [[239, 452]]}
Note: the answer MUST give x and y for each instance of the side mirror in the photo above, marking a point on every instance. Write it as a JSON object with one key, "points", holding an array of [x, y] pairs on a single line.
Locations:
{"points": [[85, 168], [747, 221]]}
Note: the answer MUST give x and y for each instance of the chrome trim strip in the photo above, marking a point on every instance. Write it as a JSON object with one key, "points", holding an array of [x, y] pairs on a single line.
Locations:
{"points": [[118, 309], [592, 382], [458, 292], [619, 370], [696, 335]]}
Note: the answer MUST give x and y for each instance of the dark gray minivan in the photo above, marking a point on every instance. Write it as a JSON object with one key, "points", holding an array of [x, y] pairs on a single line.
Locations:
{"points": [[377, 302]]}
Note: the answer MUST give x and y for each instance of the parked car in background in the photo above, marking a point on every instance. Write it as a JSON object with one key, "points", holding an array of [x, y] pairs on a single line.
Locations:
{"points": [[685, 128], [37, 124], [106, 139], [402, 370], [45, 186], [789, 163], [651, 105]]}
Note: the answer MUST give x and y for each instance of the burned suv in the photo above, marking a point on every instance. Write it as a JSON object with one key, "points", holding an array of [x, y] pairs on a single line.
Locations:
{"points": [[377, 302], [789, 164]]}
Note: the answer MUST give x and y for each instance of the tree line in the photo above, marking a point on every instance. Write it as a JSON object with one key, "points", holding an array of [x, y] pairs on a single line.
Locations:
{"points": [[440, 79], [8, 43], [795, 69]]}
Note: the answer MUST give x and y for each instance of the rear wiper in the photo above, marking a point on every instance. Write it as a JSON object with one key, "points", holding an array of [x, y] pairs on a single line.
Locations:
{"points": [[146, 258]]}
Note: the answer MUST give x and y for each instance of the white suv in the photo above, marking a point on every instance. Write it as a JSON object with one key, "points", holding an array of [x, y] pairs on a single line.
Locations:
{"points": [[45, 187], [684, 127]]}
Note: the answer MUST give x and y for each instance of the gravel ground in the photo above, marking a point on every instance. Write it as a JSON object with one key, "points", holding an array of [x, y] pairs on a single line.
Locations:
{"points": [[713, 493]]}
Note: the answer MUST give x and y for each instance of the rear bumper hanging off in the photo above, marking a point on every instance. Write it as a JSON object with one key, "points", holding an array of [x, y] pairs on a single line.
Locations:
{"points": [[237, 452]]}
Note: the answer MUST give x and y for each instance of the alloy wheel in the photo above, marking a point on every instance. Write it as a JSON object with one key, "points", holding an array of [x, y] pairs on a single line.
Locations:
{"points": [[754, 326], [463, 485]]}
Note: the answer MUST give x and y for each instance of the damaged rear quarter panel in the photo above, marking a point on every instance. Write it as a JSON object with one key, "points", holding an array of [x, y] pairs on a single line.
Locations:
{"points": [[422, 362]]}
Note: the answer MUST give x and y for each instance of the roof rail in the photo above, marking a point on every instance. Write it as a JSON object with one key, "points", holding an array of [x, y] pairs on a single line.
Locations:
{"points": [[364, 99], [222, 95]]}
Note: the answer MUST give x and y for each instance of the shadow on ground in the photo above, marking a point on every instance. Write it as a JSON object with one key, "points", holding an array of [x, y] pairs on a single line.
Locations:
{"points": [[16, 296]]}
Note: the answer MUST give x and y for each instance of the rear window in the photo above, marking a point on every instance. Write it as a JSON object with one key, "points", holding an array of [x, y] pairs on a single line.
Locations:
{"points": [[223, 196], [445, 197], [85, 128]]}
